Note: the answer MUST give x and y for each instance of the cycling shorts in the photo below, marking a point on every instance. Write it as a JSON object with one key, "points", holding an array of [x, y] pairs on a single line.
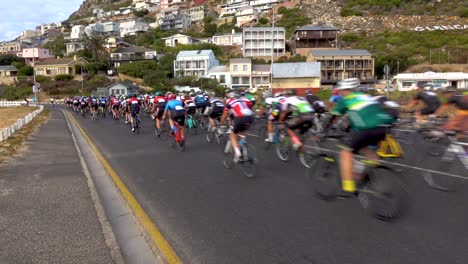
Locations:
{"points": [[242, 124], [135, 112], [216, 112], [429, 109], [159, 113], [94, 106], [303, 122], [178, 116], [115, 107], [202, 105], [190, 110], [363, 138]]}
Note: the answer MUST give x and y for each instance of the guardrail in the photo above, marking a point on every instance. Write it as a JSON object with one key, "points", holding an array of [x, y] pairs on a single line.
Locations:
{"points": [[5, 133]]}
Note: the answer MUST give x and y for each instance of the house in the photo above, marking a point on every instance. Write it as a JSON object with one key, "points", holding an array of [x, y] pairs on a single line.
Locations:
{"points": [[175, 22], [36, 54], [110, 28], [77, 32], [172, 41], [11, 47], [8, 71], [74, 46], [241, 73], [221, 74], [151, 7], [122, 88], [261, 76], [196, 13], [246, 15], [132, 27], [341, 64], [232, 39], [311, 37], [263, 41], [232, 6], [410, 81], [45, 27], [131, 53], [28, 34], [52, 67], [194, 63], [301, 76], [164, 4]]}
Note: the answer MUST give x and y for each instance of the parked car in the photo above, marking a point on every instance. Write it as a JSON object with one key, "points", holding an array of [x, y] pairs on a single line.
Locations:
{"points": [[433, 87]]}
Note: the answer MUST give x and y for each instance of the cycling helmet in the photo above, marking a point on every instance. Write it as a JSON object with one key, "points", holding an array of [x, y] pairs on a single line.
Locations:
{"points": [[308, 92], [230, 94], [157, 93], [291, 92], [134, 96], [191, 94], [348, 84], [266, 94], [211, 94], [172, 96], [335, 92], [278, 94]]}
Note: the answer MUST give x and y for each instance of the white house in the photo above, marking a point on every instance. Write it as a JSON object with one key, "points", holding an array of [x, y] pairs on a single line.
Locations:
{"points": [[196, 13], [132, 27], [77, 31], [151, 7], [222, 74], [46, 27], [410, 81], [172, 41], [194, 63], [104, 29], [232, 39], [245, 15]]}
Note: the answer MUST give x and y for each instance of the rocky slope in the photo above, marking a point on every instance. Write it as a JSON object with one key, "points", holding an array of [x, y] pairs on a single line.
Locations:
{"points": [[87, 6]]}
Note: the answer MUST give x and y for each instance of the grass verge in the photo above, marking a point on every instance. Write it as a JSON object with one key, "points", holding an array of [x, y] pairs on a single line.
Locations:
{"points": [[11, 114], [10, 146]]}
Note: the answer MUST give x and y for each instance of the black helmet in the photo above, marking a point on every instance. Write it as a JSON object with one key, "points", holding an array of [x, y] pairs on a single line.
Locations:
{"points": [[291, 92], [308, 92]]}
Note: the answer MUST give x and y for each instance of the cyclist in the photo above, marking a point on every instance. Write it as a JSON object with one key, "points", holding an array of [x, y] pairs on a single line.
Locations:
{"points": [[190, 106], [430, 100], [201, 101], [272, 106], [315, 102], [334, 99], [115, 107], [103, 103], [301, 113], [249, 96], [76, 103], [459, 121], [216, 108], [83, 104], [133, 107], [366, 116], [93, 105], [159, 103], [240, 109], [176, 112]]}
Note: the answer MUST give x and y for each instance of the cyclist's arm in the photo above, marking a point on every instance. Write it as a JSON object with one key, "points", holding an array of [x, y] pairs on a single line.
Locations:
{"points": [[340, 108], [225, 115]]}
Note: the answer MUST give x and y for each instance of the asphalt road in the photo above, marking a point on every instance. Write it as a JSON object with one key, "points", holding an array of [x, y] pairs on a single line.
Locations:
{"points": [[213, 215]]}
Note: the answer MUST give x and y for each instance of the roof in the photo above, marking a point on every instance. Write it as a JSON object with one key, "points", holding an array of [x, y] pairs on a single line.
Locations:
{"points": [[8, 68], [340, 53], [128, 85], [433, 75], [240, 60], [132, 49], [317, 27], [261, 67], [194, 53], [178, 35], [263, 28], [61, 61], [296, 69], [220, 68]]}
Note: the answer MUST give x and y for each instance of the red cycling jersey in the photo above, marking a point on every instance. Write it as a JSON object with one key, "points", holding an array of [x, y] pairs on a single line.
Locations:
{"points": [[134, 103], [239, 107], [160, 101]]}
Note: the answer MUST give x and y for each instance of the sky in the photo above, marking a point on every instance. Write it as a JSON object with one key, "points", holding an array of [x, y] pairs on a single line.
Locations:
{"points": [[20, 15]]}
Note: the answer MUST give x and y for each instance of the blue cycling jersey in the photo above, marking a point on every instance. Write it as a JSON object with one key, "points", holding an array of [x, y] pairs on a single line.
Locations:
{"points": [[174, 105], [335, 98], [200, 99]]}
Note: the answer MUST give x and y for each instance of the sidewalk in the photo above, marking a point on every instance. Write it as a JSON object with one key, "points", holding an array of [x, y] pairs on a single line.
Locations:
{"points": [[47, 214]]}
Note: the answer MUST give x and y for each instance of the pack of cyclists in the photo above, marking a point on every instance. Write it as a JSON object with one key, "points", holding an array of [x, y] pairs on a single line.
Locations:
{"points": [[368, 116]]}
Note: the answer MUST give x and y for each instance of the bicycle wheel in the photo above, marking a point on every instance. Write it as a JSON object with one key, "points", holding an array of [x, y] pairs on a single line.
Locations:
{"points": [[181, 145], [442, 182], [310, 152], [283, 146], [192, 125], [228, 159], [382, 194], [210, 133], [325, 177], [249, 161]]}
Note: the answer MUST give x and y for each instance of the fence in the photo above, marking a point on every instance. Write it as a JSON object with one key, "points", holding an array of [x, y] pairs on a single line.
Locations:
{"points": [[5, 133]]}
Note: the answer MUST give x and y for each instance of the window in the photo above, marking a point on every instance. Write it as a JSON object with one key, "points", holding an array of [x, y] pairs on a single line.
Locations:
{"points": [[222, 78], [244, 68], [235, 80], [245, 80], [235, 68]]}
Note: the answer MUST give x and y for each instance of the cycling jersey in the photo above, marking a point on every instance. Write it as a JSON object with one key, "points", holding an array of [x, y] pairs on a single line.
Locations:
{"points": [[335, 99], [239, 107], [297, 105], [174, 105], [135, 104], [429, 98], [460, 101], [200, 99], [216, 102], [364, 111], [160, 101], [115, 102]]}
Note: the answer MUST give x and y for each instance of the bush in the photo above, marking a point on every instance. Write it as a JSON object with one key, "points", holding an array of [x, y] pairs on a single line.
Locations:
{"points": [[12, 93], [263, 21], [63, 77], [282, 10], [26, 71], [350, 12], [43, 79], [324, 94]]}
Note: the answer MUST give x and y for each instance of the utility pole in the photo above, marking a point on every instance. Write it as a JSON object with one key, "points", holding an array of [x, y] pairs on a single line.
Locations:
{"points": [[272, 43], [34, 80], [398, 67], [82, 80], [430, 56]]}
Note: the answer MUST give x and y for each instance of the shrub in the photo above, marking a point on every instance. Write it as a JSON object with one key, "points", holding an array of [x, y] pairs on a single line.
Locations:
{"points": [[324, 94], [63, 77], [350, 12], [263, 21], [43, 79]]}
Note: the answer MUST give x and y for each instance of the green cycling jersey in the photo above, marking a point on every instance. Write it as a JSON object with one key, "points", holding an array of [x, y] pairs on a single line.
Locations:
{"points": [[364, 112]]}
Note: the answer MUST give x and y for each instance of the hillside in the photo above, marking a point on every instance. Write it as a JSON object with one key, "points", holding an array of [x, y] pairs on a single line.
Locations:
{"points": [[86, 8]]}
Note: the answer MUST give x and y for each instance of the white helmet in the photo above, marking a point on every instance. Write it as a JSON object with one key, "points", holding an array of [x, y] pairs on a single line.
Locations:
{"points": [[348, 84], [278, 94]]}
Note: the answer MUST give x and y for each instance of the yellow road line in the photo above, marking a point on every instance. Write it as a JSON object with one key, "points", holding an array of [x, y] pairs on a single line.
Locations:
{"points": [[162, 244]]}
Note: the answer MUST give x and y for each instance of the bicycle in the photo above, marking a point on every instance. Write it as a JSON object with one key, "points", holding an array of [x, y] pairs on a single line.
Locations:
{"points": [[248, 161], [201, 119], [93, 115], [381, 193], [448, 149], [191, 124], [137, 123], [214, 133], [102, 111], [161, 133], [176, 137]]}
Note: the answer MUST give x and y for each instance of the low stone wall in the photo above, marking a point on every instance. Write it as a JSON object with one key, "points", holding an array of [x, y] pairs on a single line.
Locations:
{"points": [[8, 80], [5, 133]]}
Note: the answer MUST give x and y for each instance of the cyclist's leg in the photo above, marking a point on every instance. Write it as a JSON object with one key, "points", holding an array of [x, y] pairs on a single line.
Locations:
{"points": [[240, 125]]}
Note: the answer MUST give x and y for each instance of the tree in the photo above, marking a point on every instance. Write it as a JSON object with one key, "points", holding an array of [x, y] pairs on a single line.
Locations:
{"points": [[96, 45], [8, 59], [263, 21], [210, 28], [141, 13], [26, 71], [57, 46]]}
